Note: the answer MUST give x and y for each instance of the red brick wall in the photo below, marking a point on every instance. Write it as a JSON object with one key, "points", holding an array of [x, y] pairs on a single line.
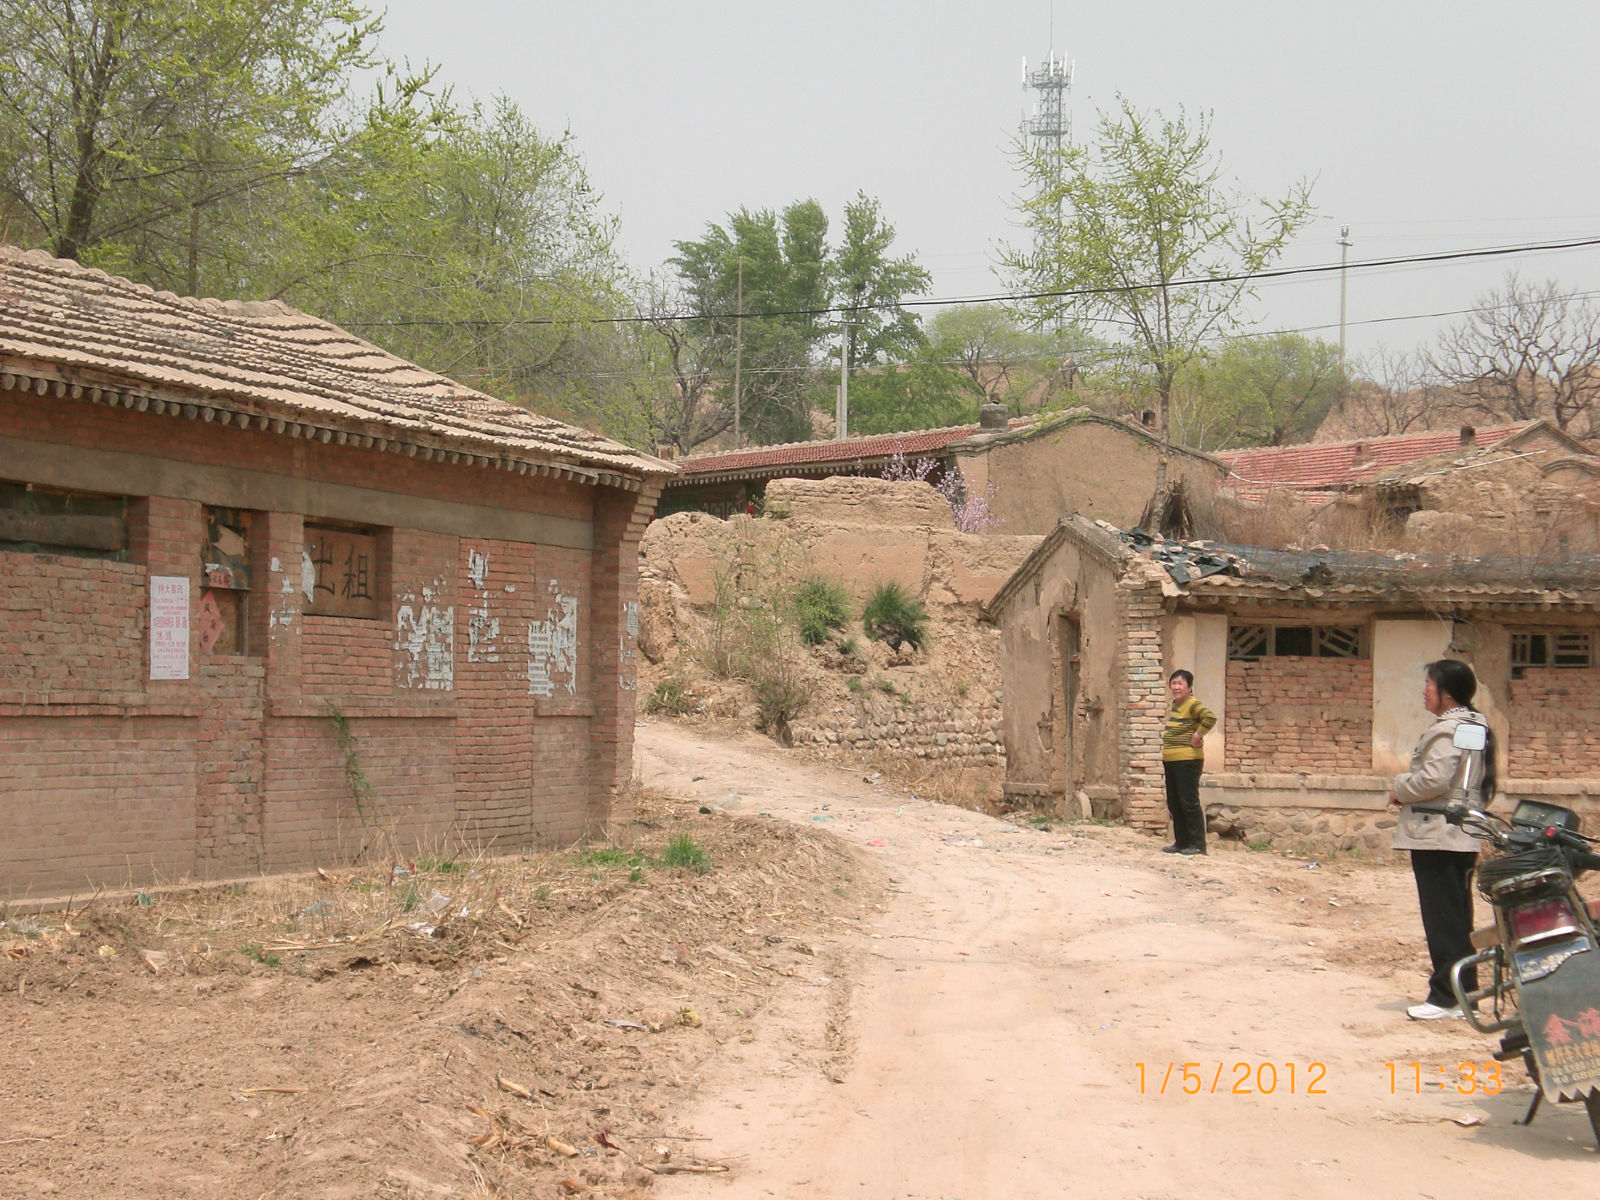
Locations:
{"points": [[108, 775], [95, 800], [1300, 714], [71, 629], [1555, 722]]}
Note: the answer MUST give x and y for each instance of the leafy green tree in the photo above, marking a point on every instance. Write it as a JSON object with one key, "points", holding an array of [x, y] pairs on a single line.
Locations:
{"points": [[1008, 359], [1257, 391], [776, 271], [872, 286], [916, 395], [128, 127], [468, 241], [1134, 232]]}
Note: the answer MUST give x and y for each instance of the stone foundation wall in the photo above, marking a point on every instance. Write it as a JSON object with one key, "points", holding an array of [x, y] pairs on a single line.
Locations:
{"points": [[960, 735], [1318, 830]]}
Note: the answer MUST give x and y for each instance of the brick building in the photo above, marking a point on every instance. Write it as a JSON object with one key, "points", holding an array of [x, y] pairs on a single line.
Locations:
{"points": [[274, 596], [1313, 663]]}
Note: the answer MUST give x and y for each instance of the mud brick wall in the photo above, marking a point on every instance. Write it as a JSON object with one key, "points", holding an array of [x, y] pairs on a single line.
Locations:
{"points": [[489, 702], [1300, 715], [1555, 722]]}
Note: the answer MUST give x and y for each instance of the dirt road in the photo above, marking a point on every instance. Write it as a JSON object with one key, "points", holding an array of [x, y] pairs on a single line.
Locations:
{"points": [[1019, 1019]]}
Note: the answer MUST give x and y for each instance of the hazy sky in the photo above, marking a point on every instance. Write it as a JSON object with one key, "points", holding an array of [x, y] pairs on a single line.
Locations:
{"points": [[1427, 125]]}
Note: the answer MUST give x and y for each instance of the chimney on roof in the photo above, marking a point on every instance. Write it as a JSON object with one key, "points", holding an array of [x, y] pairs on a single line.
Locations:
{"points": [[1469, 437], [666, 450], [993, 416]]}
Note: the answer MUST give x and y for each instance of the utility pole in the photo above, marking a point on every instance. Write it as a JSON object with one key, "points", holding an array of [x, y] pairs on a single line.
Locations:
{"points": [[841, 416], [738, 351], [1344, 256]]}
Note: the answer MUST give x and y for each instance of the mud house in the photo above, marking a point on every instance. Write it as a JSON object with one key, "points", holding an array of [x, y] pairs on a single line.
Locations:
{"points": [[273, 595], [1031, 471], [1526, 490], [1312, 661]]}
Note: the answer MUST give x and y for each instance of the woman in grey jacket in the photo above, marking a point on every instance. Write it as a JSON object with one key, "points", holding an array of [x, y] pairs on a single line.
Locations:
{"points": [[1442, 856]]}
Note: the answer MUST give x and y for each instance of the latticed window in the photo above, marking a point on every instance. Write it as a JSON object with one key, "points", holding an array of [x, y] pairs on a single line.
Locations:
{"points": [[1246, 643], [1551, 648]]}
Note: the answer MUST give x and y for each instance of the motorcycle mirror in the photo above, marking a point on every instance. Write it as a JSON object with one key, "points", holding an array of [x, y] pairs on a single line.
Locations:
{"points": [[1470, 736]]}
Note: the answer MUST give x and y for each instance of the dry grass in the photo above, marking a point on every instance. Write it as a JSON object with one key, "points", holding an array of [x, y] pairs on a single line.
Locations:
{"points": [[433, 909]]}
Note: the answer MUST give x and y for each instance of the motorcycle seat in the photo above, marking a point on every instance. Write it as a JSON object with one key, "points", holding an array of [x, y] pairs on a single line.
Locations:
{"points": [[1488, 936]]}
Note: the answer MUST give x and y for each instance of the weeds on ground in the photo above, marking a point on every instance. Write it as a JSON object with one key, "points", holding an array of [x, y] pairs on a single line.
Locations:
{"points": [[682, 851], [670, 697]]}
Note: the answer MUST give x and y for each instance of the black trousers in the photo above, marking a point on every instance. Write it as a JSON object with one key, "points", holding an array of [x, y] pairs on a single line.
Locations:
{"points": [[1444, 892], [1183, 802]]}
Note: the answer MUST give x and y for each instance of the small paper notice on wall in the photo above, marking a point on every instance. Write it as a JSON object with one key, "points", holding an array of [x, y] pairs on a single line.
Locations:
{"points": [[169, 627]]}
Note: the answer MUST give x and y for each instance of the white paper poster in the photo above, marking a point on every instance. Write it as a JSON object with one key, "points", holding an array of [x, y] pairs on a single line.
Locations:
{"points": [[169, 627]]}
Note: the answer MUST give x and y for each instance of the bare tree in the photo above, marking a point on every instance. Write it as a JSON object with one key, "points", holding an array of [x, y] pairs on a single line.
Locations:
{"points": [[686, 410], [1392, 392], [1529, 350]]}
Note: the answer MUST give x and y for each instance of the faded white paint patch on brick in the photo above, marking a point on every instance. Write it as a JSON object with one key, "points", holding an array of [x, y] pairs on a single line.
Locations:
{"points": [[627, 647], [553, 647], [425, 636], [283, 613], [308, 575], [483, 631]]}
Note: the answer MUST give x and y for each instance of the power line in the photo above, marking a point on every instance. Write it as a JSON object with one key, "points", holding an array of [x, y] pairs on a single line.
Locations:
{"points": [[1002, 298]]}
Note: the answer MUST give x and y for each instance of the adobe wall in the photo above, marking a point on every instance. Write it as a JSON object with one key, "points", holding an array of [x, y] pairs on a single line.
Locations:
{"points": [[1087, 467], [1103, 758], [489, 700], [939, 706]]}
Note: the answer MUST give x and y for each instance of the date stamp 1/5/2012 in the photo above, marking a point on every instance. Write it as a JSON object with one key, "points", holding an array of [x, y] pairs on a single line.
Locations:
{"points": [[1243, 1078]]}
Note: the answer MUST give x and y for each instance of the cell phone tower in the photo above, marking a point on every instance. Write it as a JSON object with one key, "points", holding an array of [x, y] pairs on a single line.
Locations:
{"points": [[1050, 126]]}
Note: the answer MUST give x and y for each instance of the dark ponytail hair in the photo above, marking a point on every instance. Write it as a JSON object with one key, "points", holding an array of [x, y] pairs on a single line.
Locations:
{"points": [[1454, 678]]}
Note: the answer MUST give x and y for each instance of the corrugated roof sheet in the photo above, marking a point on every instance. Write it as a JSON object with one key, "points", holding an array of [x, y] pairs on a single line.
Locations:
{"points": [[266, 359], [1332, 466]]}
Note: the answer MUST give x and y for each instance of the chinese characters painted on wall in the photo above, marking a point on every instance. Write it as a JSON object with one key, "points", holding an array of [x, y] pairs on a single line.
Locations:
{"points": [[339, 573]]}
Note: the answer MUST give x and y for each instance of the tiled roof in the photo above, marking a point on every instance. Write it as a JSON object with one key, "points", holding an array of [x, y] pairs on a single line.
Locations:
{"points": [[265, 362], [807, 454], [1331, 466]]}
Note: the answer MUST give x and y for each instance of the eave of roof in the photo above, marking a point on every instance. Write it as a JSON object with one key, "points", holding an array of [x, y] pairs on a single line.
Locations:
{"points": [[793, 458], [79, 334]]}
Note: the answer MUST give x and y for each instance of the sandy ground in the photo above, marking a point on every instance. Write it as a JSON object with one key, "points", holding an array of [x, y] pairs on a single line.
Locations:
{"points": [[866, 994], [1022, 994]]}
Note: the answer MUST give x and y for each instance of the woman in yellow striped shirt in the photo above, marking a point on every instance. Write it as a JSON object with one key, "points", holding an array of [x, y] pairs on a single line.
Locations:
{"points": [[1183, 757]]}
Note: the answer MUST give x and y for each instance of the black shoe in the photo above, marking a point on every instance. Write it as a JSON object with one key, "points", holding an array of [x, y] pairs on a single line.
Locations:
{"points": [[1172, 849], [1191, 851]]}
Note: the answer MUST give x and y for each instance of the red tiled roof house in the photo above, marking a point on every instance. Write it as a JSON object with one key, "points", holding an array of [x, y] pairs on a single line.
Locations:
{"points": [[274, 596]]}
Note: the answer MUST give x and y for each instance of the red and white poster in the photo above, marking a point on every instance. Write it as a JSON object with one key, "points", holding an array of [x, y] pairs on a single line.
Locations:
{"points": [[169, 627]]}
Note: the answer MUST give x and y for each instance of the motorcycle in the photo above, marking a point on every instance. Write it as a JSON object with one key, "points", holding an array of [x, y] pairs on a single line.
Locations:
{"points": [[1541, 957]]}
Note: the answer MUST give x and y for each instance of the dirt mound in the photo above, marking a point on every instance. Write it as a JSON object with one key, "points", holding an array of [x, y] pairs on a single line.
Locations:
{"points": [[513, 1026]]}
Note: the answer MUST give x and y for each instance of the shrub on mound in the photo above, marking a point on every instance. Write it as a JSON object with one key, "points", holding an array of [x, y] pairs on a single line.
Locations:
{"points": [[894, 616]]}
